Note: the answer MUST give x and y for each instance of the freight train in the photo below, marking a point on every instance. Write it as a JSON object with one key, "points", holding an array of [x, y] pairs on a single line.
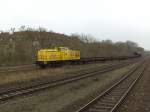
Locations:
{"points": [[63, 55]]}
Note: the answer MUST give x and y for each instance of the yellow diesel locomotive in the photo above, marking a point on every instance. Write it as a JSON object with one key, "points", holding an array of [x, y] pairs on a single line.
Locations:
{"points": [[58, 55]]}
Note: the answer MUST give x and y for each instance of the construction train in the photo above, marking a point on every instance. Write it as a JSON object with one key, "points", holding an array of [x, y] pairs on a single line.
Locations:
{"points": [[63, 55]]}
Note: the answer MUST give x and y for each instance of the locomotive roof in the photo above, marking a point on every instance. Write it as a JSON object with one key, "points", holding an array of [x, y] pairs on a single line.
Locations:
{"points": [[49, 50], [55, 49]]}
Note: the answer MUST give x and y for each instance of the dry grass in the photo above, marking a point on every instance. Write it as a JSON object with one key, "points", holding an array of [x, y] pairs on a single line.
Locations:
{"points": [[60, 98], [21, 47], [54, 73]]}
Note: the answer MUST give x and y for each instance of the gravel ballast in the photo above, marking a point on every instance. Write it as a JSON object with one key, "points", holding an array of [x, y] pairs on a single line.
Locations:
{"points": [[138, 99], [66, 98]]}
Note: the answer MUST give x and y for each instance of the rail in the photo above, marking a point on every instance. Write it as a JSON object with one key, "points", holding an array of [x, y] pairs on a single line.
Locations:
{"points": [[109, 100]]}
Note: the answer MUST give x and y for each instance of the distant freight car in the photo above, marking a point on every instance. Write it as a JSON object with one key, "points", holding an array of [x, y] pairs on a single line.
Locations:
{"points": [[55, 56], [137, 54]]}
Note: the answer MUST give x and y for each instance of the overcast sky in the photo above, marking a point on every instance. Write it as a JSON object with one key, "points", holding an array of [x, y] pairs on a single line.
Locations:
{"points": [[118, 20]]}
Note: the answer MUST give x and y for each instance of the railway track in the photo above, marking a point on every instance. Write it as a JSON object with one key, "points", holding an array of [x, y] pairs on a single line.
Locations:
{"points": [[81, 61], [13, 92], [109, 100]]}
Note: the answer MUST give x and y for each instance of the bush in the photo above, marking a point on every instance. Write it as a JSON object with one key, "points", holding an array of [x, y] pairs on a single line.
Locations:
{"points": [[20, 47]]}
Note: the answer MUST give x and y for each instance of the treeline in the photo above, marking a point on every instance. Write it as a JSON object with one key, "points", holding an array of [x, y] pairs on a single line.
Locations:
{"points": [[20, 47]]}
